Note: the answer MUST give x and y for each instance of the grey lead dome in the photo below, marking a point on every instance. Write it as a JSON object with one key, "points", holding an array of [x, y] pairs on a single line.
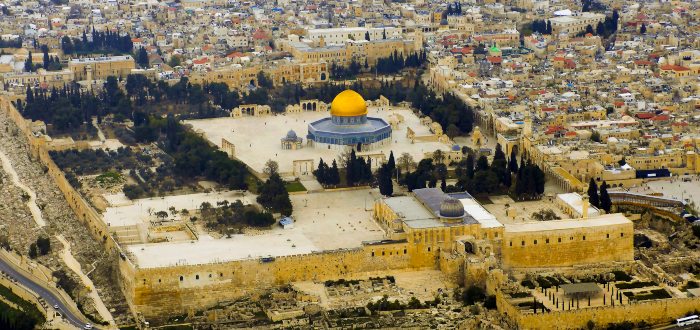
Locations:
{"points": [[451, 208]]}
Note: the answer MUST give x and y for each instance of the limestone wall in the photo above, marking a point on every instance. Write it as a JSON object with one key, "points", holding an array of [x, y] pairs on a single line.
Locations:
{"points": [[654, 311], [561, 248], [158, 292]]}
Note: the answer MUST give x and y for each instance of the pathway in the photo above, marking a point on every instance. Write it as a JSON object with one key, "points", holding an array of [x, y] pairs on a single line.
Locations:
{"points": [[74, 265], [31, 203], [100, 134]]}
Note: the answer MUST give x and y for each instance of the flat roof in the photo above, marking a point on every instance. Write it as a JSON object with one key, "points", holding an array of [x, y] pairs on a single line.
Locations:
{"points": [[575, 201], [211, 250], [573, 288], [538, 226], [480, 214], [100, 59], [408, 208]]}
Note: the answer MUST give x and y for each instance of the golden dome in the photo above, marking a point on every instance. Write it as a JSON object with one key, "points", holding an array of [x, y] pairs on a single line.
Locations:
{"points": [[348, 104]]}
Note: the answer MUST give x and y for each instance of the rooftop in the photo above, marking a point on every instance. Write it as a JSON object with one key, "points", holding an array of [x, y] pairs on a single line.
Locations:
{"points": [[538, 226]]}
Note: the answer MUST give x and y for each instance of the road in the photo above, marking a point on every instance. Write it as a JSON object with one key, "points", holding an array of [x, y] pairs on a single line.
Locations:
{"points": [[48, 296]]}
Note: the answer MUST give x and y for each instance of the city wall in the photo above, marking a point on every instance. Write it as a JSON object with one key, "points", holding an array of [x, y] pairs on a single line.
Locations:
{"points": [[568, 247], [82, 209], [653, 311], [178, 289]]}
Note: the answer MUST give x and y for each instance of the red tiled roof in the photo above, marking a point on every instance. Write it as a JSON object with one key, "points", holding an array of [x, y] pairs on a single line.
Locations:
{"points": [[661, 118], [643, 63], [494, 59], [673, 68], [201, 61], [644, 115]]}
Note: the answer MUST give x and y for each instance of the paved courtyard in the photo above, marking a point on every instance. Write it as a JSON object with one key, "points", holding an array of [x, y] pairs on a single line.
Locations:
{"points": [[257, 139], [677, 188], [323, 221], [124, 212]]}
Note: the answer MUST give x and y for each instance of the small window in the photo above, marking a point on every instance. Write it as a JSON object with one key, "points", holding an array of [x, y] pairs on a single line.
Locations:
{"points": [[571, 238], [559, 240], [382, 252], [221, 274], [181, 278], [607, 235], [522, 243], [535, 242], [546, 241], [428, 249], [209, 275], [622, 234], [584, 237], [158, 280], [404, 251], [511, 243], [373, 253], [196, 277]]}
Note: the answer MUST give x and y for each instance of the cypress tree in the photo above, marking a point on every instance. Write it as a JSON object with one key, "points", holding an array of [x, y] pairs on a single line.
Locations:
{"points": [[333, 174], [391, 162], [28, 65], [593, 193], [513, 163], [470, 166], [384, 179], [605, 202]]}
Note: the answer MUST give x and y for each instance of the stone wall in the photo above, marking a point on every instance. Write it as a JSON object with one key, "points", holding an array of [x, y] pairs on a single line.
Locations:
{"points": [[653, 311], [568, 247], [82, 209], [158, 292]]}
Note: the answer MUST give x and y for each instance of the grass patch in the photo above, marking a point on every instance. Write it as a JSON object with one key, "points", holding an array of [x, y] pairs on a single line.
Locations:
{"points": [[110, 177], [26, 306], [294, 186]]}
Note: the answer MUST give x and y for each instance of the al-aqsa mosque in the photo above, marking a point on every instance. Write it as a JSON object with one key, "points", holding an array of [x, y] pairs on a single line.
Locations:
{"points": [[349, 125]]}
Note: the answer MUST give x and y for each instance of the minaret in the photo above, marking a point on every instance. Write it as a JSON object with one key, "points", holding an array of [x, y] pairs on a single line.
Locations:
{"points": [[88, 75], [418, 41], [527, 129], [584, 206]]}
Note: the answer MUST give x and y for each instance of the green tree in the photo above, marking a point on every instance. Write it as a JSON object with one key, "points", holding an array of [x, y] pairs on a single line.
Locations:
{"points": [[593, 193], [44, 245], [264, 81], [605, 202], [33, 251], [384, 179], [142, 57], [513, 162], [334, 174], [470, 166], [482, 164], [274, 196], [28, 64], [643, 29], [321, 173]]}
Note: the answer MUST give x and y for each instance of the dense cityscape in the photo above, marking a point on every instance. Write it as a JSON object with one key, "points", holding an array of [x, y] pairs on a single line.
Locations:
{"points": [[365, 164]]}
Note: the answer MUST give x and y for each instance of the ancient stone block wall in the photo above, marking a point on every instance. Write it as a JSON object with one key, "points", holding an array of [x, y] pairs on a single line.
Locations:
{"points": [[179, 289], [653, 311], [561, 248]]}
